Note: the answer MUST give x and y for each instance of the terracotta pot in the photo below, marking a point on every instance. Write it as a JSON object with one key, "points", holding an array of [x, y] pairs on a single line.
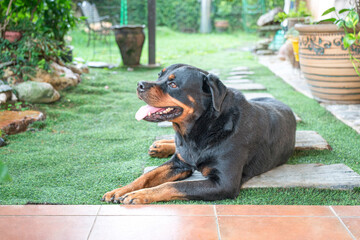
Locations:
{"points": [[13, 36], [221, 25], [130, 40], [326, 64]]}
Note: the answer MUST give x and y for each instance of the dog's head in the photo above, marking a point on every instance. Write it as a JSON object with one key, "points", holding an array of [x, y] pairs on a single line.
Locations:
{"points": [[181, 92]]}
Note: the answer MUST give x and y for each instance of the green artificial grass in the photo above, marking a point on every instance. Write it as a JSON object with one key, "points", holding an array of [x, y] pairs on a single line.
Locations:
{"points": [[91, 143]]}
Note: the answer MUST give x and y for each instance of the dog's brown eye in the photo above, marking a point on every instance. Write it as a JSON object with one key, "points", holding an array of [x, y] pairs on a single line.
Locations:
{"points": [[173, 85]]}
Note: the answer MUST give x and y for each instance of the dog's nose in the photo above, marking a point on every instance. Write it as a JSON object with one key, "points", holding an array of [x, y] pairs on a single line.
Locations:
{"points": [[142, 86]]}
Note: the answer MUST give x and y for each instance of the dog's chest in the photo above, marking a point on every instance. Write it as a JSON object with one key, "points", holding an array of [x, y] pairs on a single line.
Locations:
{"points": [[189, 152]]}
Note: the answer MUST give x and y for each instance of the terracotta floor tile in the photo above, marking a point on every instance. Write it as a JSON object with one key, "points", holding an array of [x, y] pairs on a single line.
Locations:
{"points": [[45, 227], [273, 210], [157, 210], [49, 210], [278, 228], [349, 211], [154, 227], [353, 224]]}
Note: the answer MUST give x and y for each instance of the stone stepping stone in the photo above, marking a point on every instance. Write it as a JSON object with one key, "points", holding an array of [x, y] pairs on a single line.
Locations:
{"points": [[247, 86], [100, 65], [310, 140], [165, 124], [215, 71], [250, 96], [12, 122], [334, 176], [240, 68], [305, 140], [235, 77], [241, 73], [238, 81]]}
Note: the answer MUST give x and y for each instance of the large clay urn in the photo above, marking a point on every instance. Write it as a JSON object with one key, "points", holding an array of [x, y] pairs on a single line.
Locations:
{"points": [[130, 39], [326, 65]]}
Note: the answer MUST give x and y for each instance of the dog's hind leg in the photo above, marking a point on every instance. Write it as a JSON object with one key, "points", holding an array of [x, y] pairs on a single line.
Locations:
{"points": [[162, 148]]}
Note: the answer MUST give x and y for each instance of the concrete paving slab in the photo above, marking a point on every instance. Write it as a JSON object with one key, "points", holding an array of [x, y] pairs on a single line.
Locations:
{"points": [[250, 96], [241, 73], [237, 81], [348, 114], [298, 119], [165, 124], [305, 140], [237, 77], [334, 176], [240, 68], [310, 140], [247, 86]]}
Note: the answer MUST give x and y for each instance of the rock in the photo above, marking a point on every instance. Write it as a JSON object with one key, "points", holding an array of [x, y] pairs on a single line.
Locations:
{"points": [[12, 122], [286, 52], [36, 92], [268, 18], [264, 52], [79, 68], [5, 92], [2, 142], [8, 73], [263, 44], [10, 77], [61, 77]]}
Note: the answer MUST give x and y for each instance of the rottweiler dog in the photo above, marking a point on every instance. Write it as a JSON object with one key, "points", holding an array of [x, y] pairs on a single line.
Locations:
{"points": [[218, 132]]}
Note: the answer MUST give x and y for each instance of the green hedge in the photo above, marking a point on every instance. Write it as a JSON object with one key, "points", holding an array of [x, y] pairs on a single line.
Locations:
{"points": [[182, 15]]}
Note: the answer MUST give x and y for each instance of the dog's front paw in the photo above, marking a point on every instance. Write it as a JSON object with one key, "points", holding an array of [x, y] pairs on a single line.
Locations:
{"points": [[161, 150], [136, 197], [114, 195]]}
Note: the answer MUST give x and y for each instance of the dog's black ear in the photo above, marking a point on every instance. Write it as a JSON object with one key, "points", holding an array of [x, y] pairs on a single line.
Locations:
{"points": [[217, 89]]}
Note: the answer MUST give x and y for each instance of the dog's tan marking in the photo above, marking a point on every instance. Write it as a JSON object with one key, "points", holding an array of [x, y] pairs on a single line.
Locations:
{"points": [[157, 98], [162, 148], [171, 77], [162, 193], [191, 99], [153, 178], [180, 157], [206, 171]]}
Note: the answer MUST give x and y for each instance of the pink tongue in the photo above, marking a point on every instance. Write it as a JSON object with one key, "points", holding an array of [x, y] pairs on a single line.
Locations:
{"points": [[145, 110]]}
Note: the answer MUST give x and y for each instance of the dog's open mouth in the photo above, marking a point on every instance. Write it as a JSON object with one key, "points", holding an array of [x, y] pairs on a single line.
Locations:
{"points": [[154, 114]]}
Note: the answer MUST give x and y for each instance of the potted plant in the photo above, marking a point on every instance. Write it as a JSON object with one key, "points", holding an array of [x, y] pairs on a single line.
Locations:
{"points": [[223, 11], [329, 56], [298, 15], [129, 38]]}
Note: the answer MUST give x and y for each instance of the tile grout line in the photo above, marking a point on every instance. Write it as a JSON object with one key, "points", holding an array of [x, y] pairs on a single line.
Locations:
{"points": [[217, 223], [92, 227], [341, 221]]}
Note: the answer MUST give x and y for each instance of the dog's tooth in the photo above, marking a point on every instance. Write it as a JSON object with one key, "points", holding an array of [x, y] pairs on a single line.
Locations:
{"points": [[149, 114]]}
